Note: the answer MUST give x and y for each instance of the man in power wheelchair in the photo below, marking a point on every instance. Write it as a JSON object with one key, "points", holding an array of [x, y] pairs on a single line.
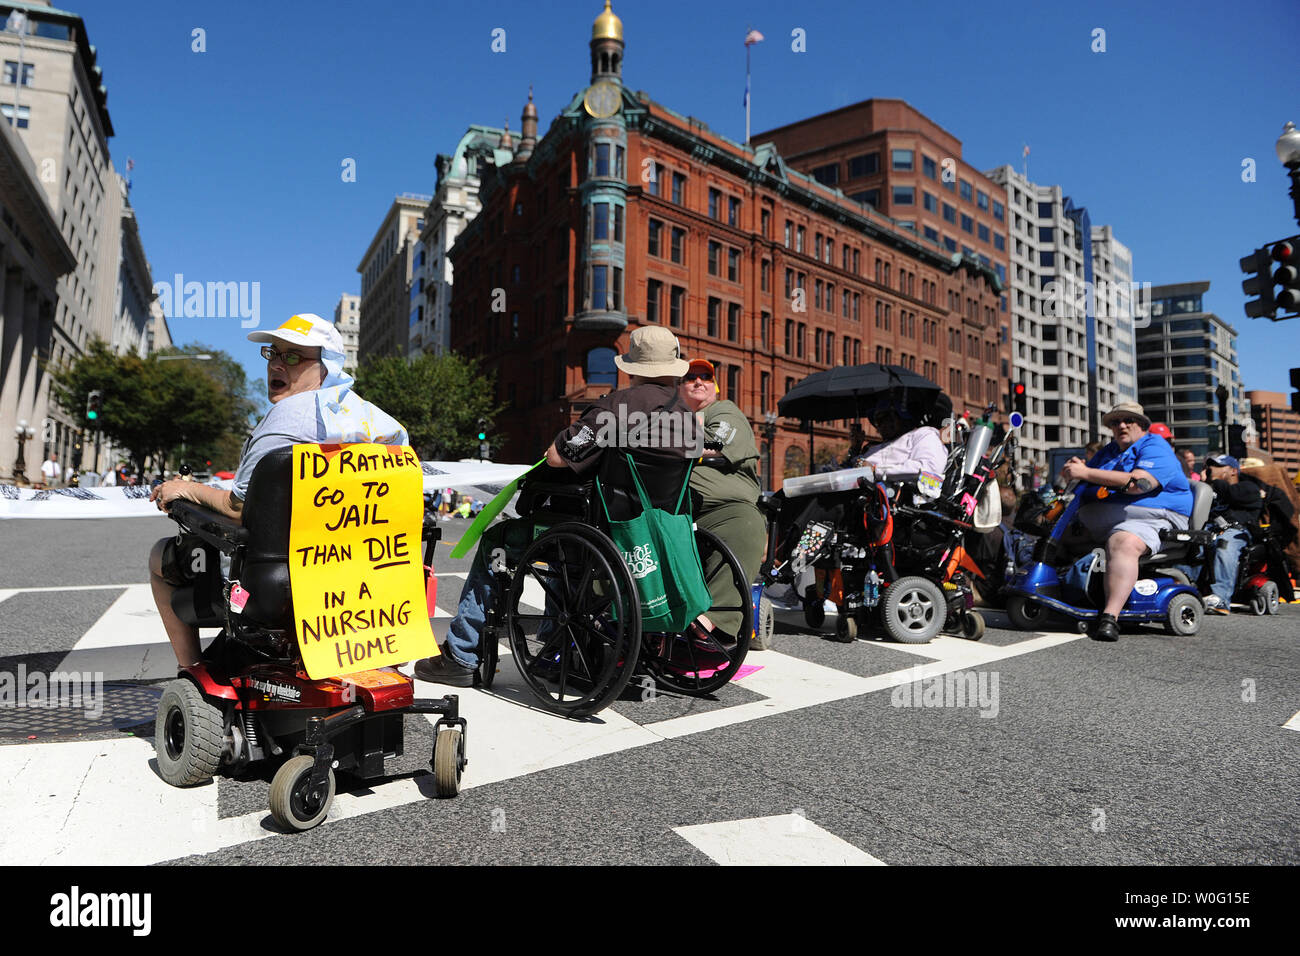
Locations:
{"points": [[553, 583], [887, 537]]}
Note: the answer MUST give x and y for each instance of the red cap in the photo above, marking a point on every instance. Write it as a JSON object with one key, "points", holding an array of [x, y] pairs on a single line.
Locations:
{"points": [[1161, 429]]}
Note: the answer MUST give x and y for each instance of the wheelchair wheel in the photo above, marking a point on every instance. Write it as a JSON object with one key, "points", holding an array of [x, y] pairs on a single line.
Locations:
{"points": [[972, 625], [1184, 614], [1025, 614], [1271, 598], [489, 654], [766, 630], [188, 735], [698, 664], [914, 610], [293, 806], [448, 761], [577, 651], [846, 628]]}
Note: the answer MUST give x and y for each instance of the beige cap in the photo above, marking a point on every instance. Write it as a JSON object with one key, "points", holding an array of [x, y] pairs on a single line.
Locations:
{"points": [[1124, 410], [653, 352]]}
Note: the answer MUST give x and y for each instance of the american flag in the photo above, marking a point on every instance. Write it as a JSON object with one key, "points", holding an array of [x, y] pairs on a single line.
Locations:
{"points": [[1026, 149], [752, 37], [130, 164]]}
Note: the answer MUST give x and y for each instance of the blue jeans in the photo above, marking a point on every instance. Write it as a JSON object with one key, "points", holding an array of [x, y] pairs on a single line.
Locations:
{"points": [[471, 613], [1227, 557]]}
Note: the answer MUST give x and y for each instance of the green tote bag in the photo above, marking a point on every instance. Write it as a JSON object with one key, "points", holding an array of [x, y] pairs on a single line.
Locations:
{"points": [[659, 551]]}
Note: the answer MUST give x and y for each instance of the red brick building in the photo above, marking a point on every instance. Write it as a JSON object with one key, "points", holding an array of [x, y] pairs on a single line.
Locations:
{"points": [[1278, 428], [627, 213]]}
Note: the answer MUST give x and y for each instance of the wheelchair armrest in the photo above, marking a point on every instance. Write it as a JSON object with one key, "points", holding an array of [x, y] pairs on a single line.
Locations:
{"points": [[224, 534]]}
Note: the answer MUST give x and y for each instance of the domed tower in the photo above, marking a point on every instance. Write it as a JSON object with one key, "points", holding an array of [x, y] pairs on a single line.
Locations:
{"points": [[603, 190], [528, 124]]}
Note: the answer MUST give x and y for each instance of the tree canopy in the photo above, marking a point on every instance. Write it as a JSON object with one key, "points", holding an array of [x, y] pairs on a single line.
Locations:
{"points": [[153, 407], [439, 399]]}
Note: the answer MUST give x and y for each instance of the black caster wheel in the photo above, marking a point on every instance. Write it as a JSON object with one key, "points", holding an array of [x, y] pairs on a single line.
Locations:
{"points": [[293, 804]]}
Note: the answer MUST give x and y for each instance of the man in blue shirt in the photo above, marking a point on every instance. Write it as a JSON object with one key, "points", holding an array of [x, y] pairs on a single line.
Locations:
{"points": [[1138, 490]]}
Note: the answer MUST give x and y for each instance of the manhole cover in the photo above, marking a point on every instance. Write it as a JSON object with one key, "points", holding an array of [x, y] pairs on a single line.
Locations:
{"points": [[74, 713]]}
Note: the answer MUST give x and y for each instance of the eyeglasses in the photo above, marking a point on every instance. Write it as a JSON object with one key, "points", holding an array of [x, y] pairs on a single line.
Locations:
{"points": [[1128, 421], [702, 376], [288, 358]]}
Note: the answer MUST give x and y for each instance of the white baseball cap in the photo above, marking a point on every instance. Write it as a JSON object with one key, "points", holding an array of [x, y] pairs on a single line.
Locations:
{"points": [[305, 328]]}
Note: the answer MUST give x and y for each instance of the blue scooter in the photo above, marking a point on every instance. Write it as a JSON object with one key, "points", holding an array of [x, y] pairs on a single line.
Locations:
{"points": [[1077, 589]]}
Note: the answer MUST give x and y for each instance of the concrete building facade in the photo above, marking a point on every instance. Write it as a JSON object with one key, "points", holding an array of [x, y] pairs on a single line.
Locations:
{"points": [[385, 314], [1184, 355], [1072, 308], [347, 319], [626, 213], [1277, 428]]}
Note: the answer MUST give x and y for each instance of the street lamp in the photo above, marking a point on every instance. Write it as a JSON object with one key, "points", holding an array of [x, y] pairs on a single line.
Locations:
{"points": [[1288, 154], [1221, 393], [23, 433], [769, 432]]}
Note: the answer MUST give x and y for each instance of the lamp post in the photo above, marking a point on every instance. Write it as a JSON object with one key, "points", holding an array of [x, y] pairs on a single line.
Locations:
{"points": [[1288, 154], [769, 433], [23, 433], [1221, 393]]}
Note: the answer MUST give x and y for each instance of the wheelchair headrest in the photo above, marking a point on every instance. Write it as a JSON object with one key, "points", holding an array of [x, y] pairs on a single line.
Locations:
{"points": [[1202, 500], [268, 504]]}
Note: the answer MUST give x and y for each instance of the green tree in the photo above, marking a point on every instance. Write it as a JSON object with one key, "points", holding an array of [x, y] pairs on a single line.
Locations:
{"points": [[151, 408], [438, 399]]}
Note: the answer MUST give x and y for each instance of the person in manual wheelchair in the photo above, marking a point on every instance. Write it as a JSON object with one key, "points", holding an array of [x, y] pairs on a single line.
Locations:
{"points": [[589, 447], [312, 401]]}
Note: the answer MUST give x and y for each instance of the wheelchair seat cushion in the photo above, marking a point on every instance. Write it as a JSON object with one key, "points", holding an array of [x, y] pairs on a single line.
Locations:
{"points": [[264, 573]]}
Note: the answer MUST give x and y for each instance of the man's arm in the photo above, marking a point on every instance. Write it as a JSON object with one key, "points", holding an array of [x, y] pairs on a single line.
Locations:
{"points": [[214, 499], [553, 457]]}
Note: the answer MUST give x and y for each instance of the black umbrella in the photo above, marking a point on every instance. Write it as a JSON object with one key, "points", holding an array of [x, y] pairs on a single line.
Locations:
{"points": [[850, 392]]}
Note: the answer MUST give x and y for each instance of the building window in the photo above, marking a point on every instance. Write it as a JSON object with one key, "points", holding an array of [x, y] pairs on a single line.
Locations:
{"points": [[965, 191], [930, 201], [818, 337], [766, 220], [620, 162], [817, 295], [764, 390], [602, 159], [11, 73], [1047, 258], [733, 211], [653, 290], [677, 307], [618, 223], [967, 223], [870, 197], [652, 245], [903, 160], [817, 246], [733, 321], [928, 167], [864, 165], [733, 264], [599, 290], [982, 231], [949, 213], [601, 369], [23, 115], [658, 173], [931, 233], [733, 382], [678, 244], [789, 337], [765, 275], [789, 231], [715, 203], [799, 236], [800, 336], [765, 330], [600, 220], [827, 175], [999, 211], [904, 196], [982, 200], [715, 252], [715, 309], [679, 188], [999, 242]]}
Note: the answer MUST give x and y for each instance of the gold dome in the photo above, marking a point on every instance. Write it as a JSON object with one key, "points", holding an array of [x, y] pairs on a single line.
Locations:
{"points": [[607, 26]]}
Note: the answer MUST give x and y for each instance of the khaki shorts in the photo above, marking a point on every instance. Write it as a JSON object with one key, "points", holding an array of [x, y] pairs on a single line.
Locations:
{"points": [[1101, 519]]}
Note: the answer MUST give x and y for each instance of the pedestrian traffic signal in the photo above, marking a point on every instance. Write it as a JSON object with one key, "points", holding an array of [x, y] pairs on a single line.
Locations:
{"points": [[482, 429], [1019, 399], [1295, 384], [94, 405], [1287, 275], [1259, 266]]}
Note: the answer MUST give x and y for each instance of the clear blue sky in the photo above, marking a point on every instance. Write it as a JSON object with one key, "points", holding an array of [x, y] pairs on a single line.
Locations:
{"points": [[238, 149]]}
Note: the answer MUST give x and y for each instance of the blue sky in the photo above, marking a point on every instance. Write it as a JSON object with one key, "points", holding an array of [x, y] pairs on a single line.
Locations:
{"points": [[238, 149]]}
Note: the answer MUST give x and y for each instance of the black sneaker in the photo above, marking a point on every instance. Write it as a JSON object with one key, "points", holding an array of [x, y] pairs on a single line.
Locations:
{"points": [[1107, 629], [443, 670]]}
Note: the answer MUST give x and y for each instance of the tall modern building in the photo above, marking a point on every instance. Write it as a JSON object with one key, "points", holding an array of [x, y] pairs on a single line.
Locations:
{"points": [[1184, 355], [1277, 428], [1072, 317], [628, 213], [52, 94], [347, 316], [454, 205], [386, 269]]}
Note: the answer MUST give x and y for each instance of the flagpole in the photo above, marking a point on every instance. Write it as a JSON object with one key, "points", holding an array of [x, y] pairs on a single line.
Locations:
{"points": [[747, 94]]}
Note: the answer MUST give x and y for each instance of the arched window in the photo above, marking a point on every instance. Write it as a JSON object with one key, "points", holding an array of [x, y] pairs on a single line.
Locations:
{"points": [[601, 369]]}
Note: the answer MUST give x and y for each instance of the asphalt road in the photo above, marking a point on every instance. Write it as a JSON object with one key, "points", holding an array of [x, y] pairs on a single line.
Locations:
{"points": [[1153, 751]]}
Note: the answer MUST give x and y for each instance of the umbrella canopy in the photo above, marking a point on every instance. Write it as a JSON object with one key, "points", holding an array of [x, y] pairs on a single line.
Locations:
{"points": [[223, 474], [853, 391]]}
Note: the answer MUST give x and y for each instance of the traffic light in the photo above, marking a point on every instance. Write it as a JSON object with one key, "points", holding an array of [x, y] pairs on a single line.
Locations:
{"points": [[1019, 400], [1287, 254], [94, 405], [1259, 266], [1295, 384], [482, 429]]}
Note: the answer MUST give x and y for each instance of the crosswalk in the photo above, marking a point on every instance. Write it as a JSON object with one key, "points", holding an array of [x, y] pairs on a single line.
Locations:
{"points": [[96, 797]]}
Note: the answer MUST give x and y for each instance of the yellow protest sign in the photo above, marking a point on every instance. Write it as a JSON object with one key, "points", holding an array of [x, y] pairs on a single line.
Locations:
{"points": [[355, 562]]}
